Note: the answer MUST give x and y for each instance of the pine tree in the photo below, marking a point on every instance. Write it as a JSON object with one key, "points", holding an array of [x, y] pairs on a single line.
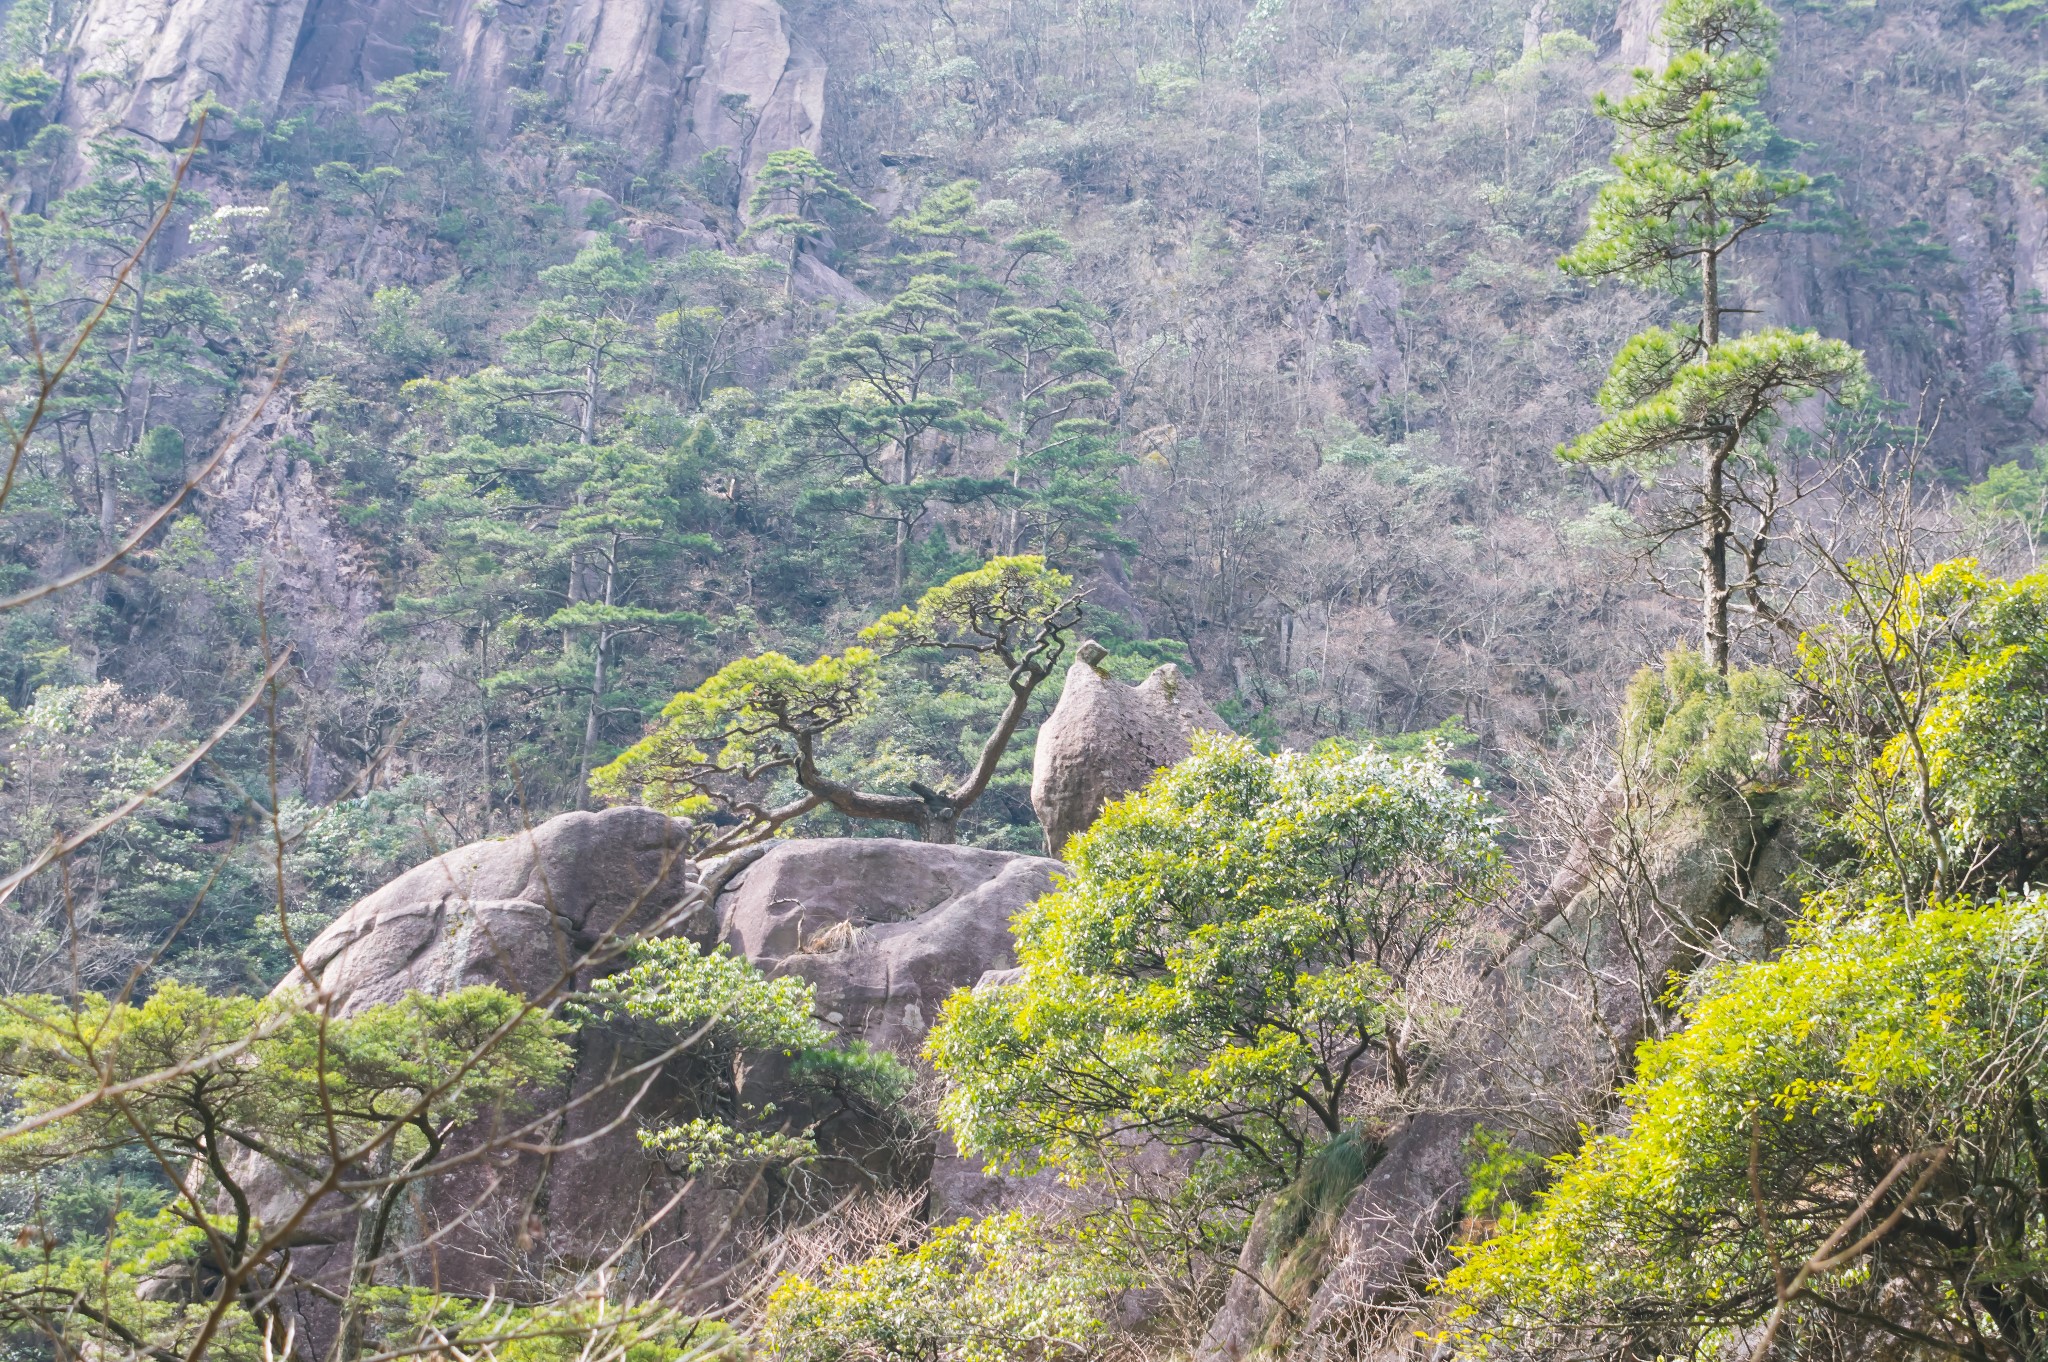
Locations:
{"points": [[1690, 183]]}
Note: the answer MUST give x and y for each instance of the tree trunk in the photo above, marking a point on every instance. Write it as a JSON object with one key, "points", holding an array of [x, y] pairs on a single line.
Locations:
{"points": [[1714, 523], [483, 719], [594, 710], [362, 1273], [903, 518], [1714, 528]]}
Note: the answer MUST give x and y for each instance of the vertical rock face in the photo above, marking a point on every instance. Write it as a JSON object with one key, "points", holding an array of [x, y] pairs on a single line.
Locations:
{"points": [[1105, 739], [669, 80], [143, 64]]}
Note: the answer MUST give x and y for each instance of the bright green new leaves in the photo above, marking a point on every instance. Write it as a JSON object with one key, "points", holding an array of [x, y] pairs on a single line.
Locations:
{"points": [[702, 1146], [1931, 751], [1727, 398], [994, 1290], [1685, 186], [718, 744], [725, 1014], [1240, 950], [1861, 1062], [229, 1094], [1003, 612], [1711, 733], [219, 1078]]}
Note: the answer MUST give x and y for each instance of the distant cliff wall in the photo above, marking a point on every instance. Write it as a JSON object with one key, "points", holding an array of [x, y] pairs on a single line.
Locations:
{"points": [[667, 80]]}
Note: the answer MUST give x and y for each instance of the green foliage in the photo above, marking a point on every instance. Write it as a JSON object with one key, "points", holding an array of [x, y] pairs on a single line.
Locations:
{"points": [[1687, 183], [1665, 395], [704, 1147], [1891, 1060], [744, 724], [1687, 188], [216, 1092], [759, 721], [675, 985], [1929, 755], [1499, 1177], [2011, 491], [265, 1075], [1237, 954], [1003, 1289], [1003, 610], [726, 1014], [792, 183], [1707, 732]]}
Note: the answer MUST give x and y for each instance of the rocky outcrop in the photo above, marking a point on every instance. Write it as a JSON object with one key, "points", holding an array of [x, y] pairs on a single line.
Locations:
{"points": [[265, 503], [516, 913], [668, 80], [1105, 739], [520, 913], [884, 929], [142, 65]]}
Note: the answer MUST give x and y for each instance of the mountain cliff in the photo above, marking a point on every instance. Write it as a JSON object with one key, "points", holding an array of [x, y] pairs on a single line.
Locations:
{"points": [[667, 81]]}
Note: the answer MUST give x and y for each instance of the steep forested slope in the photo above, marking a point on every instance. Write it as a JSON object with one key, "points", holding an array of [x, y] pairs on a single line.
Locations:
{"points": [[1249, 318]]}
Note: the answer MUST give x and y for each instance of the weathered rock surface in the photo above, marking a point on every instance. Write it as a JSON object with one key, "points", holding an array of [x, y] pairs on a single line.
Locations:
{"points": [[143, 64], [668, 80], [884, 929], [1105, 739], [516, 913]]}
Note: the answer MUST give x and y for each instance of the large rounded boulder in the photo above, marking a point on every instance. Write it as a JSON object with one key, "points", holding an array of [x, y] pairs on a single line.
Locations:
{"points": [[884, 929]]}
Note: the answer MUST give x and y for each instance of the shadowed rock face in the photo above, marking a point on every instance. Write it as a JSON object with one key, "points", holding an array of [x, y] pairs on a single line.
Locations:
{"points": [[516, 913], [1105, 739], [669, 80]]}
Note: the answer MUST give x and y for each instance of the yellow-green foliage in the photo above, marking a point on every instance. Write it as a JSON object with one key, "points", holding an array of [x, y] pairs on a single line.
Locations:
{"points": [[208, 1084], [1660, 403], [757, 719], [1900, 1034], [1001, 605], [1934, 741], [575, 1329], [744, 721], [268, 1065], [1003, 1289]]}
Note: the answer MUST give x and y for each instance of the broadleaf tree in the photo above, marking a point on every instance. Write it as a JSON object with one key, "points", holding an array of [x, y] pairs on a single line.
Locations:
{"points": [[1240, 965]]}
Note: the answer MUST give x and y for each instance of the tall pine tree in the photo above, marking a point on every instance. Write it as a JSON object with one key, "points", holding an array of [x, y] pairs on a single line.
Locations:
{"points": [[1691, 181]]}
